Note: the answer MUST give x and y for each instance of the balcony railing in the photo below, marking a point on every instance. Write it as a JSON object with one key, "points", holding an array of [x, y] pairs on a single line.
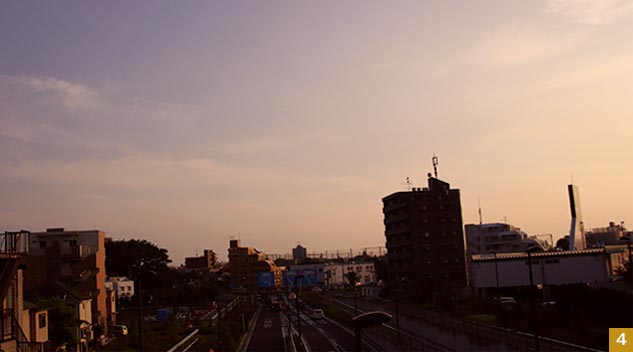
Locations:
{"points": [[15, 242]]}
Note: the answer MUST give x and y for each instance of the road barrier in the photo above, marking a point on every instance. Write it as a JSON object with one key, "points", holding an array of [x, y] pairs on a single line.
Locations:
{"points": [[484, 333], [186, 343]]}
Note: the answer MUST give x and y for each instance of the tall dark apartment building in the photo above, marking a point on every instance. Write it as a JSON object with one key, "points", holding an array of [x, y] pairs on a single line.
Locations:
{"points": [[425, 239]]}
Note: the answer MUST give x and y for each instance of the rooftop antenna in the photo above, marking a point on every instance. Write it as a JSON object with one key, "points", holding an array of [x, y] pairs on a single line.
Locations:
{"points": [[435, 163], [480, 217], [407, 183]]}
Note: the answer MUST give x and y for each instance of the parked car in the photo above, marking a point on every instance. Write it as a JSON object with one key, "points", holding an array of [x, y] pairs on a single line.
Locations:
{"points": [[119, 330], [292, 296], [507, 300], [317, 314]]}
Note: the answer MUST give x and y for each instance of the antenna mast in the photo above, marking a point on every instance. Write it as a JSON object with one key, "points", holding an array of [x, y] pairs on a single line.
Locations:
{"points": [[435, 163], [480, 217], [408, 184]]}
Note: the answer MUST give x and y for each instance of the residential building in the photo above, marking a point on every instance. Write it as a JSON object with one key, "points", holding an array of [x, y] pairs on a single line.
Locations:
{"points": [[208, 260], [78, 301], [24, 325], [121, 285], [425, 239], [498, 238], [75, 258], [246, 262], [299, 253], [601, 236]]}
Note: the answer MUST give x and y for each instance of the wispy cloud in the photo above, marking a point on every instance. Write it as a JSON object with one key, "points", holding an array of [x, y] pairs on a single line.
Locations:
{"points": [[617, 67], [73, 96], [59, 112], [513, 44], [594, 12]]}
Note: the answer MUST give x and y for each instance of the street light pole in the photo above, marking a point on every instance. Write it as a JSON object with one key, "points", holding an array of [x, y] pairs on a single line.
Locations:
{"points": [[497, 278], [533, 316], [364, 321], [297, 278], [219, 325], [630, 258], [354, 295], [140, 314]]}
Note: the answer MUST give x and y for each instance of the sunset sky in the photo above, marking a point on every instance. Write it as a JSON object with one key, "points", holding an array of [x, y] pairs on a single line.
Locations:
{"points": [[188, 122]]}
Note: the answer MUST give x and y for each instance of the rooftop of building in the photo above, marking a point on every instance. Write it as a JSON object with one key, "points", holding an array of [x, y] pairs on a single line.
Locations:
{"points": [[435, 185], [548, 254]]}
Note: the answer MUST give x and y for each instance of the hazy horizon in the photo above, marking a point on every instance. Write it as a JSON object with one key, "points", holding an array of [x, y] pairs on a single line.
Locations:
{"points": [[282, 122]]}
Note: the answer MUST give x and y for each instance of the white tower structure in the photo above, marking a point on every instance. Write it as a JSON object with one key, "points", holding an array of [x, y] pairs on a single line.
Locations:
{"points": [[576, 230]]}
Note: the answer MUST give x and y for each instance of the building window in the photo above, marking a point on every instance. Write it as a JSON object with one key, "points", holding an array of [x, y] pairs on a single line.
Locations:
{"points": [[42, 244], [41, 321]]}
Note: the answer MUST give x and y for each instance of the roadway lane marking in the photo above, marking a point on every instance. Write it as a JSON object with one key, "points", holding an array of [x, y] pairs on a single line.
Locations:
{"points": [[328, 337]]}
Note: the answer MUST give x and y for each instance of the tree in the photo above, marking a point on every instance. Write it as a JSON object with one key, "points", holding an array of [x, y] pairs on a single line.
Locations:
{"points": [[123, 257], [382, 269], [62, 321], [626, 271], [352, 277], [563, 243], [136, 258]]}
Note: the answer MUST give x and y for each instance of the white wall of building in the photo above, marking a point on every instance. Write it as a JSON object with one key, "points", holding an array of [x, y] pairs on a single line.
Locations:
{"points": [[552, 268], [85, 310], [338, 273], [123, 286]]}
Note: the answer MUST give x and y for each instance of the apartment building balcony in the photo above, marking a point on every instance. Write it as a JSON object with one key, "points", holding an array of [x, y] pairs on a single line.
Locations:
{"points": [[12, 336], [66, 252]]}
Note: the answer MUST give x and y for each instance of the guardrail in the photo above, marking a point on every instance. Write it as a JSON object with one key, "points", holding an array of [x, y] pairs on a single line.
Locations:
{"points": [[186, 343], [403, 340], [517, 340]]}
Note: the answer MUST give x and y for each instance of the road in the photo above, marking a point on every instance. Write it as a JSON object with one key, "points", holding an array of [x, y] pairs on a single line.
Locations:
{"points": [[269, 332], [318, 335]]}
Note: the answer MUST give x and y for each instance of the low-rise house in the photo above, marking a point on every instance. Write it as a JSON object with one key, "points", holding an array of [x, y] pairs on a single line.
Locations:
{"points": [[122, 286], [81, 305], [23, 326]]}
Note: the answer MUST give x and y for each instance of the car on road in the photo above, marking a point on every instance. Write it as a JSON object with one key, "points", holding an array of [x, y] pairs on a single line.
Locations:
{"points": [[317, 314], [276, 306], [292, 296]]}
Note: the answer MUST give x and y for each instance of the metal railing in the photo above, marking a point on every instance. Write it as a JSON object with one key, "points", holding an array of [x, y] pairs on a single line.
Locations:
{"points": [[15, 242], [403, 340], [186, 343], [517, 340], [7, 325]]}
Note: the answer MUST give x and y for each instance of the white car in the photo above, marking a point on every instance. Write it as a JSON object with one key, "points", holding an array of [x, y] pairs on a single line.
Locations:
{"points": [[317, 314], [507, 300]]}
